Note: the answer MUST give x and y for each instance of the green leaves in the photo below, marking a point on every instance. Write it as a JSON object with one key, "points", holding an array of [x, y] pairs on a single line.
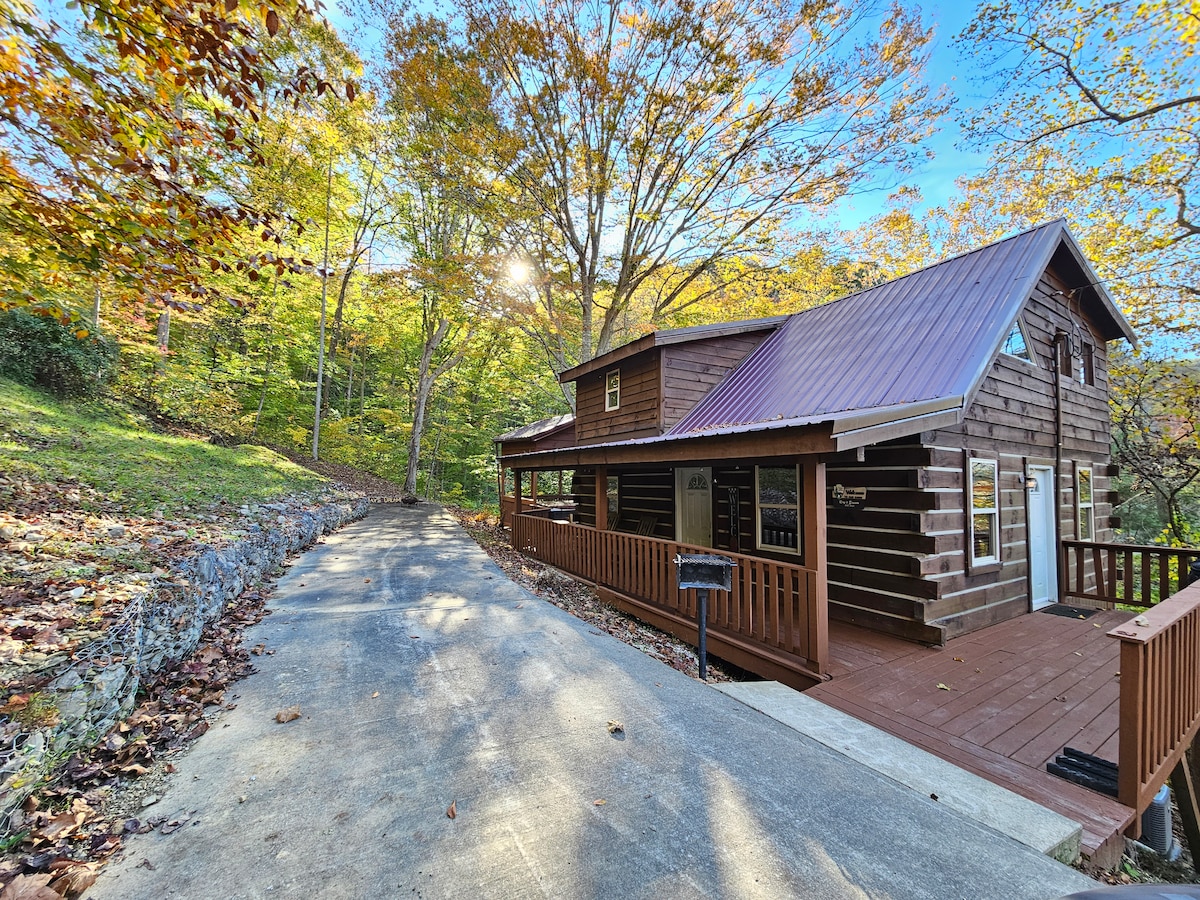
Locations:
{"points": [[111, 123]]}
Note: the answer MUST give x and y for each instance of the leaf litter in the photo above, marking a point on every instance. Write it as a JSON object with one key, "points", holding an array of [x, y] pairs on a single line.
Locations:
{"points": [[581, 601]]}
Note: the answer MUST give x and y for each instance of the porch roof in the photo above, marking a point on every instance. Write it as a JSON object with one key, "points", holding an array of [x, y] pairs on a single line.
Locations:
{"points": [[779, 439], [537, 429]]}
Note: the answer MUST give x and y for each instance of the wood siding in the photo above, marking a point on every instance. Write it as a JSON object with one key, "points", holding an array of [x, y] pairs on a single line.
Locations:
{"points": [[691, 370], [639, 413], [644, 496]]}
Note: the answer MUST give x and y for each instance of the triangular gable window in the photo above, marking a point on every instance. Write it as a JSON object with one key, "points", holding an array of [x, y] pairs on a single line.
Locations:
{"points": [[1015, 344]]}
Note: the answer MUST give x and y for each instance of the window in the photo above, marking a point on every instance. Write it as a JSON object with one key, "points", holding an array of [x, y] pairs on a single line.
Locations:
{"points": [[1084, 500], [1085, 373], [1066, 366], [985, 544], [778, 492], [1016, 345], [612, 390]]}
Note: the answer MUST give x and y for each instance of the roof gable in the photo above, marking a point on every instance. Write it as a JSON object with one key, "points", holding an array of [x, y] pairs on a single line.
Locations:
{"points": [[666, 336], [916, 346]]}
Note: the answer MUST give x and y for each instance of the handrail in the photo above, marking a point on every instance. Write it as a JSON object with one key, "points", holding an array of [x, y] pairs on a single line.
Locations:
{"points": [[1159, 704], [1126, 574], [772, 605], [508, 505]]}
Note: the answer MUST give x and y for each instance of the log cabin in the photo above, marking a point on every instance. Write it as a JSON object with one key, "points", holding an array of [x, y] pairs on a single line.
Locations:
{"points": [[915, 452]]}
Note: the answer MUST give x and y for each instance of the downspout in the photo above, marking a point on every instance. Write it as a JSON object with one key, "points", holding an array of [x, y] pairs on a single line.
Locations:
{"points": [[1060, 337]]}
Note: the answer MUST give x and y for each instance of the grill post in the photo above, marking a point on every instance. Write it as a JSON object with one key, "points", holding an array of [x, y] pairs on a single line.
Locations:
{"points": [[703, 572]]}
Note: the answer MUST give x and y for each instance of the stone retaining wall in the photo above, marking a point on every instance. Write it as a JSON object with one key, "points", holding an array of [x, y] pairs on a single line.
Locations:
{"points": [[163, 624]]}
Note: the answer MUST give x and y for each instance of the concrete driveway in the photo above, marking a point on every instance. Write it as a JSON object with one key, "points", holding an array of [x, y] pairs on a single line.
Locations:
{"points": [[426, 678]]}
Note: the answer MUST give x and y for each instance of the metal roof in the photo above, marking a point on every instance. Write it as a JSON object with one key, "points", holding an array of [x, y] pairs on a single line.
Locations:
{"points": [[671, 336], [904, 350], [536, 429]]}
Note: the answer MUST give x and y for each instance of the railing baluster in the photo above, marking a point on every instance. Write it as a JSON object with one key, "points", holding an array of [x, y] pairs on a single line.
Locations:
{"points": [[1128, 581]]}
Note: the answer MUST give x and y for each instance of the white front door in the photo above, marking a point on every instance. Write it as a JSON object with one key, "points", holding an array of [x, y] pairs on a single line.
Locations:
{"points": [[1043, 561], [693, 503]]}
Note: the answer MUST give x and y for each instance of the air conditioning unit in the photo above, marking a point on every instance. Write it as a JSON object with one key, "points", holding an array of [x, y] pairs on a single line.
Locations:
{"points": [[1157, 833]]}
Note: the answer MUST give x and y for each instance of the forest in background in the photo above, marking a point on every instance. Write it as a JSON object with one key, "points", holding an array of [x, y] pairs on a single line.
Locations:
{"points": [[382, 249]]}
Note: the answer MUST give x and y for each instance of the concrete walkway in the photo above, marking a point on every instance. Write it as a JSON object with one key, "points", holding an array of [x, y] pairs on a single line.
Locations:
{"points": [[427, 678]]}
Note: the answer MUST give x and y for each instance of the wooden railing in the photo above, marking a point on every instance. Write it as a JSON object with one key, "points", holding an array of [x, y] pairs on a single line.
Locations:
{"points": [[774, 611], [1124, 573], [1160, 695], [508, 505]]}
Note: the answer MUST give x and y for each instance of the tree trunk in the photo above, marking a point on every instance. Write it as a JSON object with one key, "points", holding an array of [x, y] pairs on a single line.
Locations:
{"points": [[316, 439], [427, 374], [262, 396], [424, 389]]}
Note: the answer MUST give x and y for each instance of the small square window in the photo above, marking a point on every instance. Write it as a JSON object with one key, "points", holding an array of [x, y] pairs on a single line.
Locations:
{"points": [[1085, 371], [612, 390]]}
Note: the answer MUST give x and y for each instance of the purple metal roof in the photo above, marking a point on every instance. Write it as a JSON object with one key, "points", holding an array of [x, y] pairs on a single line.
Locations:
{"points": [[928, 336]]}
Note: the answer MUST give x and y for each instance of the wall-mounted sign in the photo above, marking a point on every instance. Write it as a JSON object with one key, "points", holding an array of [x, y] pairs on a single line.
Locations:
{"points": [[849, 497]]}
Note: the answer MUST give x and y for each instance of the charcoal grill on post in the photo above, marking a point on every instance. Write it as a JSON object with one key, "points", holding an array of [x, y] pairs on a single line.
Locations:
{"points": [[704, 572]]}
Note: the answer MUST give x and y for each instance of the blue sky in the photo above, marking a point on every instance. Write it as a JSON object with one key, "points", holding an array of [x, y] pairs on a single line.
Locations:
{"points": [[946, 67], [935, 179]]}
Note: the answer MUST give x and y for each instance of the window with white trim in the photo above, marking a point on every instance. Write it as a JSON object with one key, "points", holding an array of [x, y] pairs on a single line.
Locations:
{"points": [[612, 390], [777, 490], [985, 511], [1016, 345], [1083, 495]]}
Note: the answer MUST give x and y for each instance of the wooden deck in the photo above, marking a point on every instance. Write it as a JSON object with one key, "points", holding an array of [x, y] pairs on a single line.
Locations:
{"points": [[1014, 695]]}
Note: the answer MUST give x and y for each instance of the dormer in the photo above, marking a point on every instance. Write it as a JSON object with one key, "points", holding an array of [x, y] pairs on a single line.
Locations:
{"points": [[644, 387]]}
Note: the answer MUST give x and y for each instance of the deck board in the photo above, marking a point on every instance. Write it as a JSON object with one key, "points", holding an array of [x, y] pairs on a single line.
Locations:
{"points": [[1019, 691]]}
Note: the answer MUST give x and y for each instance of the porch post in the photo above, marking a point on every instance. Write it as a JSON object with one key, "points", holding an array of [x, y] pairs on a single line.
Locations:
{"points": [[602, 498], [533, 488], [816, 556], [517, 474]]}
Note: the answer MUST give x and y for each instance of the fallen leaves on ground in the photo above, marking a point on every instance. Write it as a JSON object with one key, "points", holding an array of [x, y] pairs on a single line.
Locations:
{"points": [[72, 558], [67, 826], [287, 715], [581, 601], [30, 887], [452, 810], [615, 727]]}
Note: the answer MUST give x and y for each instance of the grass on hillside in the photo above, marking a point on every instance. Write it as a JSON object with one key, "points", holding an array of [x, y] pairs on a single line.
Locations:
{"points": [[111, 449]]}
